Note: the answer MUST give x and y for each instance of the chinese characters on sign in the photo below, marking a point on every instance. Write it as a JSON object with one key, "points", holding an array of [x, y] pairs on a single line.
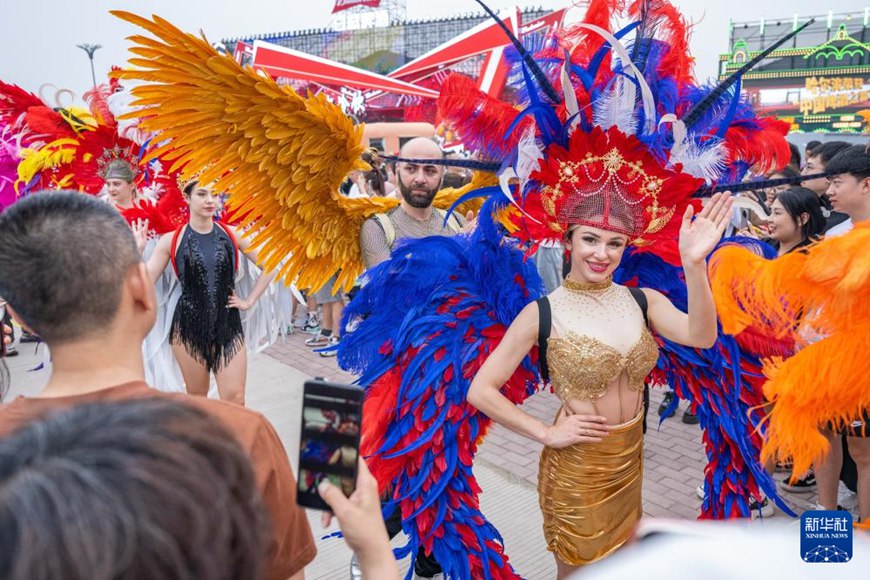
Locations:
{"points": [[827, 524], [821, 94]]}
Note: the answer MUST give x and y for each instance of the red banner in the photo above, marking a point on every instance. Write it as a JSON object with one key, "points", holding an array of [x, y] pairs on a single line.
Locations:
{"points": [[345, 4]]}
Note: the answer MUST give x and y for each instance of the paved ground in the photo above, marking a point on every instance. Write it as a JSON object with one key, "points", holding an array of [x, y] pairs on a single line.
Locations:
{"points": [[506, 466]]}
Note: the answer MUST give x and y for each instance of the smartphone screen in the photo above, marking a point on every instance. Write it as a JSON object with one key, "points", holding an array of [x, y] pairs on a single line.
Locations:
{"points": [[329, 442]]}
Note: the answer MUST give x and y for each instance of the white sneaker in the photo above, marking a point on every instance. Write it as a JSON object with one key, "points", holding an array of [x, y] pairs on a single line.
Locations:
{"points": [[317, 341], [355, 570], [330, 343], [699, 491], [846, 498], [438, 576], [312, 324]]}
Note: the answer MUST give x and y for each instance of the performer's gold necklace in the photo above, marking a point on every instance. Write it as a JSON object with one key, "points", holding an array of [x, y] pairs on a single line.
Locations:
{"points": [[588, 287]]}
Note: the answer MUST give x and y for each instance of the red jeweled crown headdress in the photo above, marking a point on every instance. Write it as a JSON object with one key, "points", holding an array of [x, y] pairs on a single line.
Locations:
{"points": [[608, 180]]}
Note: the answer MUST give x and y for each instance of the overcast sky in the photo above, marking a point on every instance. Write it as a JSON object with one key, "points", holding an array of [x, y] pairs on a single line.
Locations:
{"points": [[39, 39]]}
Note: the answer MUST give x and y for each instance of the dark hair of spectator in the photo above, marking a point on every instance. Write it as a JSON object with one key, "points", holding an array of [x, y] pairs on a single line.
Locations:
{"points": [[148, 488], [800, 200], [795, 160], [854, 160], [826, 151], [811, 146], [64, 259], [454, 179], [786, 172], [375, 177]]}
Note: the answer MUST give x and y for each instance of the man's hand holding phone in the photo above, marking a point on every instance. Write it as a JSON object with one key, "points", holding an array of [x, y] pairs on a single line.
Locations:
{"points": [[361, 523]]}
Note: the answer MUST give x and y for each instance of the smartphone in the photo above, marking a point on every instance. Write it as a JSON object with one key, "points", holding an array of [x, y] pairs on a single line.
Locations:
{"points": [[329, 440]]}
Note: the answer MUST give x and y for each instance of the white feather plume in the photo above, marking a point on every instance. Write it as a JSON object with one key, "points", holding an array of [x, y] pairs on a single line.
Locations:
{"points": [[528, 156], [119, 103], [707, 162], [617, 107]]}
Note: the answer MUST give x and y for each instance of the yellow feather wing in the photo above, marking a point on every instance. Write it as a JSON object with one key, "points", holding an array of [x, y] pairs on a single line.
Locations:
{"points": [[280, 156]]}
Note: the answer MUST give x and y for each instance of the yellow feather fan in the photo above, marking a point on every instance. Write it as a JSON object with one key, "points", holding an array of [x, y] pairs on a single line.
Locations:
{"points": [[820, 300], [281, 157]]}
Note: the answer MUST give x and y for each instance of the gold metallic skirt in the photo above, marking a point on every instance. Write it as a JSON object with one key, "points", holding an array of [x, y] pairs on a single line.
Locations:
{"points": [[590, 494]]}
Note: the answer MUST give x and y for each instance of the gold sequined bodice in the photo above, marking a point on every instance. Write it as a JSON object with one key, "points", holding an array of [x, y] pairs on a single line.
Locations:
{"points": [[589, 354]]}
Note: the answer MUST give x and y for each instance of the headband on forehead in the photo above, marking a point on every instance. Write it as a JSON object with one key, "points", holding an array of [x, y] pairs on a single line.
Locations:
{"points": [[462, 163], [119, 169]]}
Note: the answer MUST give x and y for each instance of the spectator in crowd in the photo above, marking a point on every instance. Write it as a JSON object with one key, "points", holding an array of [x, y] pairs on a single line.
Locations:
{"points": [[849, 193], [415, 217], [817, 163], [796, 219], [809, 149], [142, 488], [311, 322], [771, 192], [455, 180], [376, 180], [371, 183], [331, 306], [390, 168], [795, 160], [71, 272], [466, 174], [849, 187]]}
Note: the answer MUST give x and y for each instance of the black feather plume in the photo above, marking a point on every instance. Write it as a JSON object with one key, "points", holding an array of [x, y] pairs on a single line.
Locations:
{"points": [[539, 75], [709, 190]]}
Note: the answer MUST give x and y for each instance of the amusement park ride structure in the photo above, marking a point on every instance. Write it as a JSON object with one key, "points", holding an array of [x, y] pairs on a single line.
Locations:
{"points": [[383, 68]]}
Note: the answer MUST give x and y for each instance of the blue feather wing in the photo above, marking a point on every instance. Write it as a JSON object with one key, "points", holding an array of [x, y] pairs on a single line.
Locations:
{"points": [[422, 325]]}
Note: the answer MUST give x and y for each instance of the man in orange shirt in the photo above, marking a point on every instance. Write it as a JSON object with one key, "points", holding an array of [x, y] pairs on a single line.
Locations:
{"points": [[71, 273]]}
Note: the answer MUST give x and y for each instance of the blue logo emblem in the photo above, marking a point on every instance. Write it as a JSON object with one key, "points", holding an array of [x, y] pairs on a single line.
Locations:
{"points": [[826, 536]]}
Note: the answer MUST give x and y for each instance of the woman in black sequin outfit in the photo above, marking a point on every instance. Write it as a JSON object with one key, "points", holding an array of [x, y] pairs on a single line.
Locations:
{"points": [[206, 333]]}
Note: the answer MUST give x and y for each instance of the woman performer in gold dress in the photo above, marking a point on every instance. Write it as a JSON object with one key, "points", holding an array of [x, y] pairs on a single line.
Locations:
{"points": [[599, 352]]}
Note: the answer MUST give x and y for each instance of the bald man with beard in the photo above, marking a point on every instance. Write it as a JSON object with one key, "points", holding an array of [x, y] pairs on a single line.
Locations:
{"points": [[415, 217]]}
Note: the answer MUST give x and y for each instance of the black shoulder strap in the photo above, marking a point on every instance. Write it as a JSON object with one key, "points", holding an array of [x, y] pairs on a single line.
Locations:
{"points": [[545, 323], [641, 300]]}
